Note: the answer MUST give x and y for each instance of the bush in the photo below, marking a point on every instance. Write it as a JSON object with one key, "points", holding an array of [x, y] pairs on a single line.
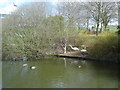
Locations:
{"points": [[100, 46], [31, 41]]}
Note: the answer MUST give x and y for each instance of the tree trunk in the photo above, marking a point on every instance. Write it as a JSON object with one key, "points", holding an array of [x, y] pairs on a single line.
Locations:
{"points": [[87, 24], [65, 49], [101, 27], [105, 26], [97, 29]]}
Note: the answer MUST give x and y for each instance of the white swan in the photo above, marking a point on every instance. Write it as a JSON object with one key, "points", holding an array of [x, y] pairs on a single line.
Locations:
{"points": [[33, 67], [74, 48], [83, 48]]}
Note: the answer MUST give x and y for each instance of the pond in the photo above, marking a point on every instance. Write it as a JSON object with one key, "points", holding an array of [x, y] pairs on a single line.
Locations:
{"points": [[55, 72]]}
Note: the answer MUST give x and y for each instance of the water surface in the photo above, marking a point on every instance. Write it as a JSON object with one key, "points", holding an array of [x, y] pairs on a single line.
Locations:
{"points": [[59, 73]]}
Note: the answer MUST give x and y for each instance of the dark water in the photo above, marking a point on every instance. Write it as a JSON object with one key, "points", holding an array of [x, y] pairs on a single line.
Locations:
{"points": [[59, 73]]}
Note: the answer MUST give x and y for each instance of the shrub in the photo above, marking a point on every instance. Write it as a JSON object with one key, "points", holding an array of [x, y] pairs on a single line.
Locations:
{"points": [[104, 46]]}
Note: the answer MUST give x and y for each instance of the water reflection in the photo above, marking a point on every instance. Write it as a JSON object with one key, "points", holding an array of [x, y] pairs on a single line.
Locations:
{"points": [[59, 73], [65, 62]]}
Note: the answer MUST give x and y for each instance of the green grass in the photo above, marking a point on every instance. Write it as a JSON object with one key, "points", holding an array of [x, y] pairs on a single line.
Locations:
{"points": [[113, 29]]}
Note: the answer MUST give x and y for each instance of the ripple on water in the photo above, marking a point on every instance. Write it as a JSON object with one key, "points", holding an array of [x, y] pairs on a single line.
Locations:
{"points": [[60, 73]]}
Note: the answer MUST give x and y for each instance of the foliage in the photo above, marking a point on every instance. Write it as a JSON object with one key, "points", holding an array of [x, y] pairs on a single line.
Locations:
{"points": [[104, 46], [32, 42], [39, 34]]}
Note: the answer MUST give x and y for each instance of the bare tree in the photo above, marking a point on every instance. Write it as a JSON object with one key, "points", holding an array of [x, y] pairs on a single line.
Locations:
{"points": [[108, 12], [71, 13], [101, 12], [26, 16], [94, 8]]}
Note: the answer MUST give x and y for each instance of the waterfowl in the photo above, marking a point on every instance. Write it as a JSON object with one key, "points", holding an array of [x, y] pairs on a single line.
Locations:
{"points": [[24, 65], [79, 66], [83, 48], [74, 48], [33, 67]]}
